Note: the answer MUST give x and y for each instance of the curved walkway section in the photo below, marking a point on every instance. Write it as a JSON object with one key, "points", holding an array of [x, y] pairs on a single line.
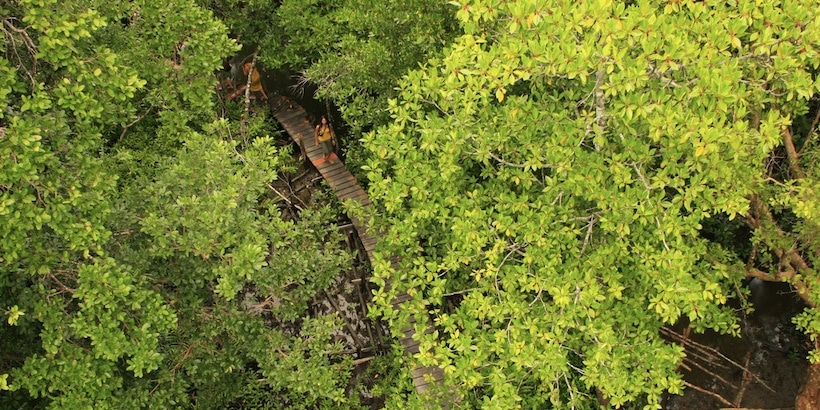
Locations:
{"points": [[297, 124]]}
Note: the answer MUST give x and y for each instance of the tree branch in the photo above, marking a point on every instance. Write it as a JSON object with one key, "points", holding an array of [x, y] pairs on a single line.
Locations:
{"points": [[640, 175], [27, 41], [655, 73], [711, 393], [791, 153], [127, 126], [248, 85], [592, 221], [502, 162], [761, 218], [811, 132], [600, 101]]}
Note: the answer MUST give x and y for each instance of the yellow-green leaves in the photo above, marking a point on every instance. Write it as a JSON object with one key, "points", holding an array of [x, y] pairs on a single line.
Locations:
{"points": [[590, 152], [14, 314]]}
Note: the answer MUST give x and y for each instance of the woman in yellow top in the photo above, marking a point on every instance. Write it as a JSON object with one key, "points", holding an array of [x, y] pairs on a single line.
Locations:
{"points": [[256, 83], [325, 135]]}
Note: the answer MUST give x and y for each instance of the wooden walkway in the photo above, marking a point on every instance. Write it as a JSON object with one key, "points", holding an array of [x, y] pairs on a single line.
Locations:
{"points": [[295, 121]]}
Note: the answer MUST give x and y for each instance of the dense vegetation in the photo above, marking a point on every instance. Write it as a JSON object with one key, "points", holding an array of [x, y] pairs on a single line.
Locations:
{"points": [[561, 180]]}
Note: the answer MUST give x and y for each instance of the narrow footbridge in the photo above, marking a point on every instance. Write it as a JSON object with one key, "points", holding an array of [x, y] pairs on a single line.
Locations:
{"points": [[296, 123]]}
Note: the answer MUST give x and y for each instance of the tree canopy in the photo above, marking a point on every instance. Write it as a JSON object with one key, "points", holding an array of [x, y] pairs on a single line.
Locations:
{"points": [[560, 181], [352, 51], [144, 262], [548, 179]]}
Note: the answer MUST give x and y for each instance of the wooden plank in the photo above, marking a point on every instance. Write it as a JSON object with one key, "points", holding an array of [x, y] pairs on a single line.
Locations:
{"points": [[304, 131], [294, 120], [340, 181], [335, 176], [419, 378], [290, 112], [345, 183], [287, 117], [336, 171], [343, 188], [367, 240], [398, 301], [346, 193], [423, 371], [369, 246], [350, 193], [410, 343], [420, 381]]}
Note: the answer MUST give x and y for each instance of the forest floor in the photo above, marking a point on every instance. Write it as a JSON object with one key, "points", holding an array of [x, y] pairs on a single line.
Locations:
{"points": [[360, 337], [764, 369]]}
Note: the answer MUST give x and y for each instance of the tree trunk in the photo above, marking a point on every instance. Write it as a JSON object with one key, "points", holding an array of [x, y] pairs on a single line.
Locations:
{"points": [[808, 398]]}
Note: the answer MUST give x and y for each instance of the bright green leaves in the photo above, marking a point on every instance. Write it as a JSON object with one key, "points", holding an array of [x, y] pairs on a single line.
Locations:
{"points": [[559, 160], [201, 205], [14, 314], [319, 380], [7, 82], [115, 317], [353, 50], [93, 324], [809, 322], [176, 45], [42, 191], [63, 34], [109, 299]]}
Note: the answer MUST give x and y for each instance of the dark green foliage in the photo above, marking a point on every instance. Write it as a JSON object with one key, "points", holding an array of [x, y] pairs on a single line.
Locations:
{"points": [[143, 262]]}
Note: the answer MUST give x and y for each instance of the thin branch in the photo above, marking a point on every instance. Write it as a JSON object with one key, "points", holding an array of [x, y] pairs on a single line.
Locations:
{"points": [[127, 126], [663, 234], [747, 377], [655, 73], [640, 175], [286, 199], [300, 85], [27, 41], [460, 292], [791, 262], [503, 162], [811, 132], [704, 391], [498, 269], [712, 351], [441, 110], [791, 153], [591, 224], [558, 198], [248, 85], [716, 376], [600, 101]]}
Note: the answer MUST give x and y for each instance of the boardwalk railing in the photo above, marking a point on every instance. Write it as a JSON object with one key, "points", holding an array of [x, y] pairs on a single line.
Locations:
{"points": [[296, 123]]}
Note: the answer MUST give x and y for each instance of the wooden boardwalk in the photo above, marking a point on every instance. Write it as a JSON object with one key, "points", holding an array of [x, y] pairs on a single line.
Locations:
{"points": [[296, 123]]}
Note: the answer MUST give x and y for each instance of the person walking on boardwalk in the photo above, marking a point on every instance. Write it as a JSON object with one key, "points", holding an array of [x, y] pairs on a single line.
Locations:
{"points": [[325, 135], [256, 83]]}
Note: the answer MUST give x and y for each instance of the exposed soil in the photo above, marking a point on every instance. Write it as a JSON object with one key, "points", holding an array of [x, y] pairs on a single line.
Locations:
{"points": [[764, 369]]}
